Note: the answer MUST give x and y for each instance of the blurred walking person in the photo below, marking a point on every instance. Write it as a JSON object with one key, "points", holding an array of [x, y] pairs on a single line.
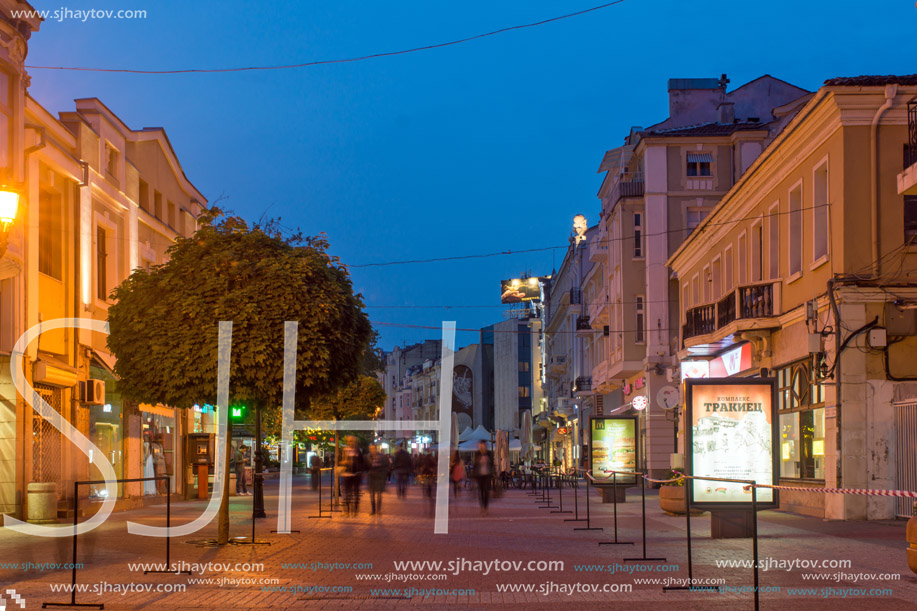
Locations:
{"points": [[315, 468], [239, 464], [402, 468], [456, 472], [483, 472], [427, 476], [352, 468], [379, 467]]}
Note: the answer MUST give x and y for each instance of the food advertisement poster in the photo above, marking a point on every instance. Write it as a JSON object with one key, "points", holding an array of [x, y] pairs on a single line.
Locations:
{"points": [[614, 448], [733, 436]]}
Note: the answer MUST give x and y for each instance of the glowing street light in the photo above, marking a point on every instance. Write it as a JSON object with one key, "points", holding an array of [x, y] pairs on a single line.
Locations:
{"points": [[9, 204]]}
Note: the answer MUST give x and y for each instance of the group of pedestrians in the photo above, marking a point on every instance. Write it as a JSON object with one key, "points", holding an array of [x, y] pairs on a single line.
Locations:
{"points": [[379, 469]]}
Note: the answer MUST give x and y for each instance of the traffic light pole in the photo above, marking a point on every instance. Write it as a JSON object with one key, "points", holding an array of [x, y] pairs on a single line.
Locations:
{"points": [[257, 476]]}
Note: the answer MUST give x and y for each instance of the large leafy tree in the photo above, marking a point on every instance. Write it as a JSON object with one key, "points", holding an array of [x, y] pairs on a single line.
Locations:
{"points": [[164, 322]]}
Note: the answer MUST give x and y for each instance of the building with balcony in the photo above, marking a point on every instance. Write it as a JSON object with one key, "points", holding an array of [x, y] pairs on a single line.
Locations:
{"points": [[517, 363], [804, 271], [98, 200], [658, 187], [398, 363]]}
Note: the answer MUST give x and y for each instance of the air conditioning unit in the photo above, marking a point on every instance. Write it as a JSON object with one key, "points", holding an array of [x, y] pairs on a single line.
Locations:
{"points": [[92, 392]]}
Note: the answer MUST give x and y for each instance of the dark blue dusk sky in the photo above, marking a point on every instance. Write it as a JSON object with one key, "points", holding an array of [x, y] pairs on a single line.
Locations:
{"points": [[480, 147]]}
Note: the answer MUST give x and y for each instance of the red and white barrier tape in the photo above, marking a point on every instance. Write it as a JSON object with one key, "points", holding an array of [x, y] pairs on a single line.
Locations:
{"points": [[860, 491]]}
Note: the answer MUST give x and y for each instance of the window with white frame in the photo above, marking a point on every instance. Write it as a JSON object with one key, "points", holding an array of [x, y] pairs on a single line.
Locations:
{"points": [[50, 235], [102, 262], [727, 269], [638, 235], [757, 251], [795, 230], [695, 289], [639, 319], [694, 217], [820, 212], [686, 296], [743, 258], [717, 271], [773, 241], [708, 281]]}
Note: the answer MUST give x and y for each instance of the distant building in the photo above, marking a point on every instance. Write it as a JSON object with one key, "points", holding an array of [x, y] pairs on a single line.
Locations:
{"points": [[658, 187]]}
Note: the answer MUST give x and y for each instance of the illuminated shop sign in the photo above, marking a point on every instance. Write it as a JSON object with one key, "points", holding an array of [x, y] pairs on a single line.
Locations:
{"points": [[733, 435]]}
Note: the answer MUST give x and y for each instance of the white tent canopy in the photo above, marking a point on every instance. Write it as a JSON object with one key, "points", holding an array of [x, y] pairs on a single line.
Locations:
{"points": [[479, 434]]}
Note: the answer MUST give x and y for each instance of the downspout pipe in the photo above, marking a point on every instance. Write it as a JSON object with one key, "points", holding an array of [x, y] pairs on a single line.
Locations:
{"points": [[837, 383], [890, 92]]}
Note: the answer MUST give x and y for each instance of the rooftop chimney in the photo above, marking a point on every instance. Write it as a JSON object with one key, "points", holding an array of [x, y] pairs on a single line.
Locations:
{"points": [[726, 113]]}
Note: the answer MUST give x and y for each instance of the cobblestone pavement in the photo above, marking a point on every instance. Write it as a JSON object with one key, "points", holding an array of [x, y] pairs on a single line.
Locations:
{"points": [[516, 530]]}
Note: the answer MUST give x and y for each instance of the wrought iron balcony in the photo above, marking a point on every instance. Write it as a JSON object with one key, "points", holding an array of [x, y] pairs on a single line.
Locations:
{"points": [[583, 385], [633, 186], [745, 302], [582, 324]]}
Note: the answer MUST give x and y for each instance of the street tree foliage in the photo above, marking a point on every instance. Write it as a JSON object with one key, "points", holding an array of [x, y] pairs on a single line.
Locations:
{"points": [[164, 320]]}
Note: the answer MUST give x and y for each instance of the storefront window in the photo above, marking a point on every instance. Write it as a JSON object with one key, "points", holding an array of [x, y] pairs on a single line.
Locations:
{"points": [[106, 431], [801, 399], [158, 451]]}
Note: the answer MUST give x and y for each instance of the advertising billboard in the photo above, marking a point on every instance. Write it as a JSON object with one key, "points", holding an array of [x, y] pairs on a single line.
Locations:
{"points": [[732, 435], [613, 447], [517, 290]]}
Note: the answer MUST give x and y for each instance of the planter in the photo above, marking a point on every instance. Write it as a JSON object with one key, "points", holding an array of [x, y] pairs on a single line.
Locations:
{"points": [[912, 539], [672, 499], [42, 503]]}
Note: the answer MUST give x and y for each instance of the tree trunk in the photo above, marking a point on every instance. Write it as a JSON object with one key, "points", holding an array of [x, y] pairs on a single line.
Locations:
{"points": [[334, 470], [223, 518]]}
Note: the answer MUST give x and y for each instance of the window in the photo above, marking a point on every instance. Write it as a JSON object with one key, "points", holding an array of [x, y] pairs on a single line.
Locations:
{"points": [[686, 297], [695, 289], [638, 235], [50, 236], [727, 269], [144, 195], [820, 212], [639, 316], [524, 366], [525, 391], [795, 232], [773, 236], [801, 399], [157, 204], [910, 218], [101, 264], [694, 217], [172, 222], [757, 252], [708, 281], [743, 258], [111, 160], [717, 278], [699, 164]]}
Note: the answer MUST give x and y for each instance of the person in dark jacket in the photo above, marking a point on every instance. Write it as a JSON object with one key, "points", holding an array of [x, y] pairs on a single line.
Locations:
{"points": [[315, 468], [402, 468], [379, 467], [483, 472], [352, 468]]}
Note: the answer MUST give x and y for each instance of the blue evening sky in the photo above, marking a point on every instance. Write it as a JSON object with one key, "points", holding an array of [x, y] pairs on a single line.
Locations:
{"points": [[480, 147]]}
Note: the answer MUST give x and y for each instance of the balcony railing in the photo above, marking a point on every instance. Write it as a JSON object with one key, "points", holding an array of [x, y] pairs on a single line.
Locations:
{"points": [[749, 301], [582, 323], [910, 149], [583, 384], [631, 186]]}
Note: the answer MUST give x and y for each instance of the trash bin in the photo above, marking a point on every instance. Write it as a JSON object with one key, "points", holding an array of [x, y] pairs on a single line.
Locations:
{"points": [[42, 503]]}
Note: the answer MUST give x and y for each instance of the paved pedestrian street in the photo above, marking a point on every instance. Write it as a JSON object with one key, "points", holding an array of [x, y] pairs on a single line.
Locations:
{"points": [[486, 562]]}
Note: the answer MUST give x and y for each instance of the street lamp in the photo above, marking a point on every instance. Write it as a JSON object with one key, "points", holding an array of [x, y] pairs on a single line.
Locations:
{"points": [[9, 204]]}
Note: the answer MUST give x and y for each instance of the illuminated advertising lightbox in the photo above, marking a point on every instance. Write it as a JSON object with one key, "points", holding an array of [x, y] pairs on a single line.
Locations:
{"points": [[517, 290], [613, 444], [733, 435]]}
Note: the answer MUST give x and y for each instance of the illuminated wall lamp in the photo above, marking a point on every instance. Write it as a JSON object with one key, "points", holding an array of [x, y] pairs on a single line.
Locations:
{"points": [[9, 204]]}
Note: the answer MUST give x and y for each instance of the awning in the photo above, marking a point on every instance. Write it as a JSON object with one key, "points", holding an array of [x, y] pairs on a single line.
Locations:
{"points": [[700, 158]]}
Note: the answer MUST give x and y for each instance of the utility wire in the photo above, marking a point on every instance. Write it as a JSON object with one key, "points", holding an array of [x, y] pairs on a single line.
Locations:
{"points": [[605, 241], [335, 61]]}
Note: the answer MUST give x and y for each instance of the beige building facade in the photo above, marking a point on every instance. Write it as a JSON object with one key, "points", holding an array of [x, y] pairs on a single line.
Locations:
{"points": [[804, 271]]}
